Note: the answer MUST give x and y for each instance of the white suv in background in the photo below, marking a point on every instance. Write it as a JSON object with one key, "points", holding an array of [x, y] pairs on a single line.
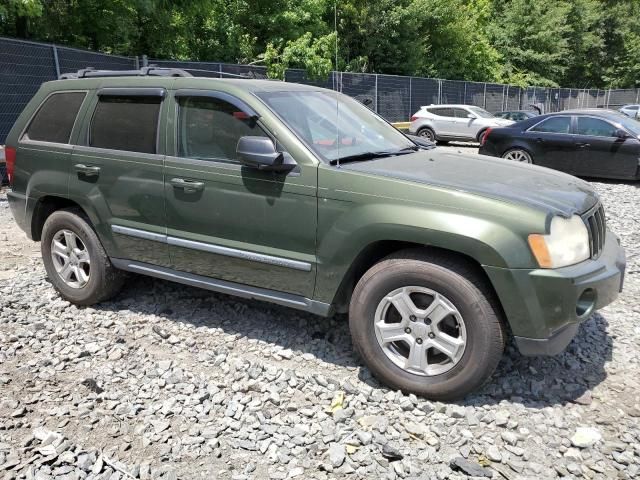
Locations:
{"points": [[631, 110], [453, 122]]}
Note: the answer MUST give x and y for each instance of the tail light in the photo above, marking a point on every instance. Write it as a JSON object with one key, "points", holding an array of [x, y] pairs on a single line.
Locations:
{"points": [[485, 136], [414, 118], [10, 158]]}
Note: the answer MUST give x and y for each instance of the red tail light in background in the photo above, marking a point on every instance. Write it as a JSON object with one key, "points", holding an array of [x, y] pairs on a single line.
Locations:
{"points": [[414, 118], [10, 158], [484, 137]]}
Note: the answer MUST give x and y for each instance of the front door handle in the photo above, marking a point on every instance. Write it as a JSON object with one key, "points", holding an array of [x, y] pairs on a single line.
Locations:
{"points": [[88, 170], [189, 186], [583, 145], [540, 140]]}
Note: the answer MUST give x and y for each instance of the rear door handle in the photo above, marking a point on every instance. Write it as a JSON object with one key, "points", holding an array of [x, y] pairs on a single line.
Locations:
{"points": [[88, 170], [540, 140], [189, 186], [583, 145]]}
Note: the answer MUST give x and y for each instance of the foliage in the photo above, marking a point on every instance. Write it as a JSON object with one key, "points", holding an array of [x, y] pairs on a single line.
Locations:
{"points": [[570, 43]]}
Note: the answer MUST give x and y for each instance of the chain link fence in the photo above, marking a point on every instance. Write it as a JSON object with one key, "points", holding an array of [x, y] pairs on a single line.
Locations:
{"points": [[25, 65]]}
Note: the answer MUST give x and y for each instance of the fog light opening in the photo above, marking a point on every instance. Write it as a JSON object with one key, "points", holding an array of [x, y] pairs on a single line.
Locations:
{"points": [[586, 303]]}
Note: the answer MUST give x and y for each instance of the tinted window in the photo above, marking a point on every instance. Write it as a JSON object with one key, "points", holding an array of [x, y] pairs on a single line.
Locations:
{"points": [[460, 112], [595, 127], [632, 107], [209, 128], [554, 125], [125, 123], [442, 112], [55, 118]]}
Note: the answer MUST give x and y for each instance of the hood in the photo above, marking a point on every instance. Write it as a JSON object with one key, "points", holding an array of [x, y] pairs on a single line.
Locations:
{"points": [[534, 186]]}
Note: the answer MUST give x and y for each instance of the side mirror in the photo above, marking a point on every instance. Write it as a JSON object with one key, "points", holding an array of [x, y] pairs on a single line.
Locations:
{"points": [[471, 115], [261, 153], [622, 134]]}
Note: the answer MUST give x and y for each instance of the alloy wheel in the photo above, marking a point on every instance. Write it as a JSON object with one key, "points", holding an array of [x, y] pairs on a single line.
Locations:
{"points": [[70, 258], [517, 156], [420, 330]]}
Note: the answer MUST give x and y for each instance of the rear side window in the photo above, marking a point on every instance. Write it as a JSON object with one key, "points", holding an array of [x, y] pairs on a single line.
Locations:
{"points": [[209, 128], [554, 125], [126, 123], [442, 112], [54, 120]]}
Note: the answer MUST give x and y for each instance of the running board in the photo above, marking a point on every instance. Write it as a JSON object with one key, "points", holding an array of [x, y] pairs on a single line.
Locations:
{"points": [[221, 286]]}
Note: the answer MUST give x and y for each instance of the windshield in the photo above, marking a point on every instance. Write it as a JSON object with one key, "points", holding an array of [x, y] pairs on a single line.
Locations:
{"points": [[482, 113], [333, 125]]}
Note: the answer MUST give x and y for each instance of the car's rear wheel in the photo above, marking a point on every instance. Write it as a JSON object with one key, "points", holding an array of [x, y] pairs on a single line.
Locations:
{"points": [[75, 261], [517, 155], [425, 323], [427, 134]]}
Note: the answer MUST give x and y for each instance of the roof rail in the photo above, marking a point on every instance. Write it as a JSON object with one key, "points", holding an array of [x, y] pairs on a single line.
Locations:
{"points": [[91, 72]]}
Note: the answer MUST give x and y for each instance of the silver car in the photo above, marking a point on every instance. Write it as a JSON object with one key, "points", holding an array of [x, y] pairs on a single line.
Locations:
{"points": [[445, 123], [631, 110]]}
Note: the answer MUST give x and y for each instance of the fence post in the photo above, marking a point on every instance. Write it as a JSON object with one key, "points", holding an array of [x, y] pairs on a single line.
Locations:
{"points": [[145, 61], [137, 62], [439, 91], [55, 60], [637, 94], [410, 104], [376, 102], [484, 98]]}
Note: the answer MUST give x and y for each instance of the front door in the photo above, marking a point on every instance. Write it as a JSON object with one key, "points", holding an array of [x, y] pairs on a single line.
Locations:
{"points": [[552, 144], [600, 152], [116, 173], [463, 125], [231, 222]]}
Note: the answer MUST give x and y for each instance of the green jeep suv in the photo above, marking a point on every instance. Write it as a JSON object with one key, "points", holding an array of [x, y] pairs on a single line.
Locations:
{"points": [[304, 197]]}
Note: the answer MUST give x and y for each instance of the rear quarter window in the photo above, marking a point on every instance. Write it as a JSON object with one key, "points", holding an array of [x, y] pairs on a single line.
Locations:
{"points": [[54, 120]]}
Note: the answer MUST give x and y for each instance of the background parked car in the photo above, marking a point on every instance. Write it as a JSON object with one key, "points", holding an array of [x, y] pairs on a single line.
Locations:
{"points": [[596, 143], [630, 110], [3, 168], [516, 115], [444, 123]]}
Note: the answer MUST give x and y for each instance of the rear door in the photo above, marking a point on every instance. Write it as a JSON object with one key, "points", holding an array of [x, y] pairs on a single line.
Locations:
{"points": [[601, 153], [443, 121], [552, 144], [232, 222], [117, 173]]}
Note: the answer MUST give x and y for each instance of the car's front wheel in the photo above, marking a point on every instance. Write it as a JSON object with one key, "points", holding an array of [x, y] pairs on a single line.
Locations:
{"points": [[517, 155], [425, 323], [76, 263]]}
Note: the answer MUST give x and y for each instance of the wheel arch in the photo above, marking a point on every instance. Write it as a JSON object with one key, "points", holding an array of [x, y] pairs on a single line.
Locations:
{"points": [[44, 207]]}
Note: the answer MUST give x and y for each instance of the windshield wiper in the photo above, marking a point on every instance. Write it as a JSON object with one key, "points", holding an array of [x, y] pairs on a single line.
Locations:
{"points": [[360, 157]]}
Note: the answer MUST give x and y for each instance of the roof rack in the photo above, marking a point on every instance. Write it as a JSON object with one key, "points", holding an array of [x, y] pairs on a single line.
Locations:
{"points": [[91, 72]]}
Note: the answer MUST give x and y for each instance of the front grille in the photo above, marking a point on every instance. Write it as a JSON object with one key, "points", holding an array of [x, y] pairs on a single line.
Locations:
{"points": [[597, 227]]}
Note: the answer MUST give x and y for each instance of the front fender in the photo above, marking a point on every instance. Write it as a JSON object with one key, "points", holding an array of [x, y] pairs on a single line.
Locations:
{"points": [[346, 230]]}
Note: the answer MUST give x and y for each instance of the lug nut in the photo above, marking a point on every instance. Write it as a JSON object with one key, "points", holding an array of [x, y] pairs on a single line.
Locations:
{"points": [[419, 341], [432, 335], [407, 330], [427, 321], [412, 318]]}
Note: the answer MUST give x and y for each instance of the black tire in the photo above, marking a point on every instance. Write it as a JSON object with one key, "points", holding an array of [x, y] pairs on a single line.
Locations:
{"points": [[427, 133], [443, 142], [104, 281], [469, 293]]}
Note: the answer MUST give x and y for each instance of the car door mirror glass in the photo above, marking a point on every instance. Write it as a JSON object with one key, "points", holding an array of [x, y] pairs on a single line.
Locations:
{"points": [[621, 134], [471, 115], [261, 153]]}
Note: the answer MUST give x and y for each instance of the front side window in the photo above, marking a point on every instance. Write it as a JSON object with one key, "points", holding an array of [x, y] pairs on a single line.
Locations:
{"points": [[334, 125], [461, 113], [595, 127], [480, 112], [55, 118], [209, 128], [127, 123], [553, 125]]}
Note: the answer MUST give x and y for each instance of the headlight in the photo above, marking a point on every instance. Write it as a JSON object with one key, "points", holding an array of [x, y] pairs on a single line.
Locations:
{"points": [[566, 244]]}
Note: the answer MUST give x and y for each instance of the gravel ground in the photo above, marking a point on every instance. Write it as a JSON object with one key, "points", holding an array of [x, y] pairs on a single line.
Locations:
{"points": [[173, 382]]}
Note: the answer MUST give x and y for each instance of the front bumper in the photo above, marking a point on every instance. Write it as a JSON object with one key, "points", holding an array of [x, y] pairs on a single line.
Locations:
{"points": [[544, 307]]}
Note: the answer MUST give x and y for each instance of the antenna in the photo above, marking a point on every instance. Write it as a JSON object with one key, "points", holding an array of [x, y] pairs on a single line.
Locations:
{"points": [[335, 73]]}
